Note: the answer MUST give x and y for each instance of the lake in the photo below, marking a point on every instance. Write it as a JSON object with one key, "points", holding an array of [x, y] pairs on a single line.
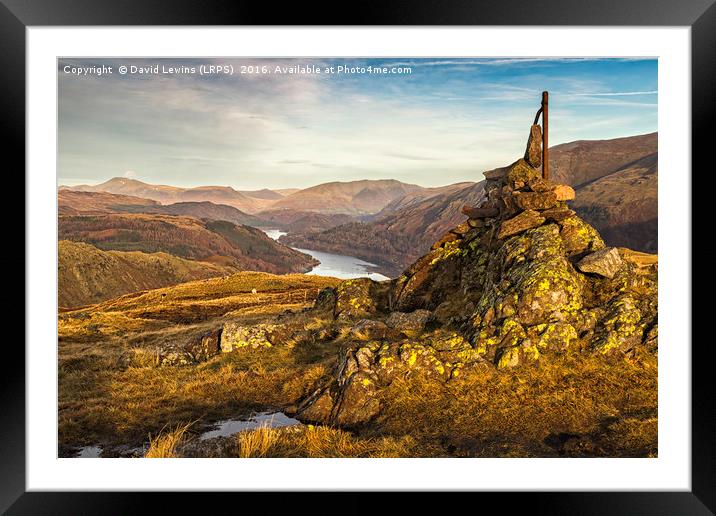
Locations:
{"points": [[336, 265]]}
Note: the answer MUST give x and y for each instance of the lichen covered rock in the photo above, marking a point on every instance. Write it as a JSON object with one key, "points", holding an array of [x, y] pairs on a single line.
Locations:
{"points": [[235, 336], [413, 322], [605, 262], [523, 280]]}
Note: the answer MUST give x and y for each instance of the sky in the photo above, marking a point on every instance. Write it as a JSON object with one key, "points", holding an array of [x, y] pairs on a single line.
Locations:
{"points": [[442, 121]]}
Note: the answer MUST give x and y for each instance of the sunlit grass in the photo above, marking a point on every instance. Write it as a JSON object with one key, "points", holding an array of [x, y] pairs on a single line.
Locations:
{"points": [[165, 444]]}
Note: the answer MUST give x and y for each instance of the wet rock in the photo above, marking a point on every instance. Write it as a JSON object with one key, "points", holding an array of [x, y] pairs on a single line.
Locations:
{"points": [[605, 262], [526, 220], [536, 200], [533, 153], [413, 322]]}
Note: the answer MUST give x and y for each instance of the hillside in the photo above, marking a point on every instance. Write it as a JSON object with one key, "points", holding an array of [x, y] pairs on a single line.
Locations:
{"points": [[169, 194], [577, 163], [200, 210], [396, 239], [518, 334], [297, 221], [71, 202], [616, 181], [88, 275], [624, 205], [242, 247], [419, 196], [353, 197]]}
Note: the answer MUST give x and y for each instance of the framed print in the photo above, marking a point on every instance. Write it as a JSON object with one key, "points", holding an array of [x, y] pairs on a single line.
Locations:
{"points": [[429, 251]]}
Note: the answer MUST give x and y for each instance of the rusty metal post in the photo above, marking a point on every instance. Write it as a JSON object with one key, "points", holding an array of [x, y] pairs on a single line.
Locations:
{"points": [[545, 130]]}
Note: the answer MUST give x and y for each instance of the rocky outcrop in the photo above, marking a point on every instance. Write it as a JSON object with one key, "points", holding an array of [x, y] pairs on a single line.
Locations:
{"points": [[523, 280], [198, 349], [605, 262]]}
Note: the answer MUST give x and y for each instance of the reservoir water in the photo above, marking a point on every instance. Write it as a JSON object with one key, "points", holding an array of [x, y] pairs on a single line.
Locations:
{"points": [[336, 265]]}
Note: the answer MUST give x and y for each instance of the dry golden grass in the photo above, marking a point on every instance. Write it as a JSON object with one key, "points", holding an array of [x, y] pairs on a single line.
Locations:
{"points": [[257, 442], [101, 402], [164, 445], [319, 442], [612, 404]]}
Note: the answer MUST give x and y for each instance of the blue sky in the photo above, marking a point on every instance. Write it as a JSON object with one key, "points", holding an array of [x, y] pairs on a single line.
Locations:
{"points": [[446, 121]]}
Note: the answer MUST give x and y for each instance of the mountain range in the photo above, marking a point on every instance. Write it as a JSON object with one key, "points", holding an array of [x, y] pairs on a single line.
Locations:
{"points": [[386, 222]]}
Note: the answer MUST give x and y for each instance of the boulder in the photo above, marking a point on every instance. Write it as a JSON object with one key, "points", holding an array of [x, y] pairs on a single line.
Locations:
{"points": [[536, 200], [496, 174], [326, 300], [558, 213], [533, 153], [605, 262], [175, 357], [235, 336], [447, 237], [528, 219], [481, 212], [541, 185], [579, 237], [461, 228], [354, 298], [368, 329], [409, 323], [564, 193], [521, 172], [205, 346]]}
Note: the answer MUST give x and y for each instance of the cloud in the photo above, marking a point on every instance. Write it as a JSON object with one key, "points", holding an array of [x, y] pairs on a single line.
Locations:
{"points": [[130, 174], [615, 94], [442, 123]]}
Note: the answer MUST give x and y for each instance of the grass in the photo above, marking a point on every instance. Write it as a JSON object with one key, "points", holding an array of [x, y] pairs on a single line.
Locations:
{"points": [[524, 411], [575, 406], [101, 402], [165, 444], [257, 442], [318, 442]]}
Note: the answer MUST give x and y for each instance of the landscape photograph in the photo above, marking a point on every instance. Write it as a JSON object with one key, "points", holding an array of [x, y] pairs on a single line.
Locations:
{"points": [[357, 257]]}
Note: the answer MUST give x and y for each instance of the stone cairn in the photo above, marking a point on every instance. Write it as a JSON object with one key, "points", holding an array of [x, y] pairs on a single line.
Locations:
{"points": [[518, 198]]}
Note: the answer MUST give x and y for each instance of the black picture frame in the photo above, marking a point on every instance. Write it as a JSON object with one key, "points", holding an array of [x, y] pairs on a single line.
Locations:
{"points": [[17, 15]]}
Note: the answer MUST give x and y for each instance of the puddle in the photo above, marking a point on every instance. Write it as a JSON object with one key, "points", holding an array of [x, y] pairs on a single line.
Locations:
{"points": [[233, 426], [89, 452]]}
